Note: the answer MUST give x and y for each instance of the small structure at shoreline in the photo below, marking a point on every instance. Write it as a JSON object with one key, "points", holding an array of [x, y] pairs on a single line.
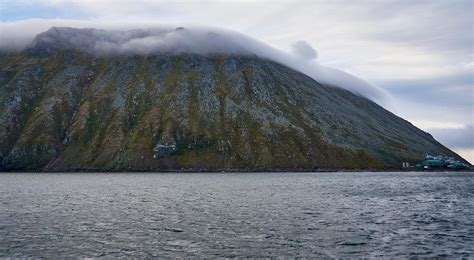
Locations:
{"points": [[441, 162]]}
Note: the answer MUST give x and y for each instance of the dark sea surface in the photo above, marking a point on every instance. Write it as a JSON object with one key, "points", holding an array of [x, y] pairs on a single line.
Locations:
{"points": [[237, 214]]}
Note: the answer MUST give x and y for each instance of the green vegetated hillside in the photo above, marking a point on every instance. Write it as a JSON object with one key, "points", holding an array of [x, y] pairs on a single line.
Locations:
{"points": [[66, 110]]}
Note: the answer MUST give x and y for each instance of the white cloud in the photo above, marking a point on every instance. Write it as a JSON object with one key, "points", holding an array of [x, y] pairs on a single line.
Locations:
{"points": [[199, 40], [427, 124], [375, 40], [304, 50]]}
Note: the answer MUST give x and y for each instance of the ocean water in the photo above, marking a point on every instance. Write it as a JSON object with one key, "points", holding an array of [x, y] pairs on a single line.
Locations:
{"points": [[237, 214]]}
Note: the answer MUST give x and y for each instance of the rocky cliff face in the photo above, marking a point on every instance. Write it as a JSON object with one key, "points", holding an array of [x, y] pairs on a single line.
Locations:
{"points": [[69, 110]]}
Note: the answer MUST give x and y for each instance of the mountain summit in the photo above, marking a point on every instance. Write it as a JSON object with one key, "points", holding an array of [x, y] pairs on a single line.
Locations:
{"points": [[64, 108]]}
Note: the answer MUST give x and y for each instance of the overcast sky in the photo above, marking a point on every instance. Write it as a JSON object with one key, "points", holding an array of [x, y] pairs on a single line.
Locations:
{"points": [[419, 51]]}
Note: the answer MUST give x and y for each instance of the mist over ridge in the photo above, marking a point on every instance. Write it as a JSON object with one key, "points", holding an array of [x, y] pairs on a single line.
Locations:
{"points": [[196, 40]]}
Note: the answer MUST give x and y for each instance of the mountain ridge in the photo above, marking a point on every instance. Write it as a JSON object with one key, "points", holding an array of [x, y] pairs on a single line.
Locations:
{"points": [[71, 110]]}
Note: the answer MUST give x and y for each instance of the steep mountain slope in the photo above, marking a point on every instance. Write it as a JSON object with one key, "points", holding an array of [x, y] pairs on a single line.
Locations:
{"points": [[70, 110]]}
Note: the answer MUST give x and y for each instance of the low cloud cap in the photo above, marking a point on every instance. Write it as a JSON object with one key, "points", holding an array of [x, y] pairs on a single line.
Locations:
{"points": [[198, 40]]}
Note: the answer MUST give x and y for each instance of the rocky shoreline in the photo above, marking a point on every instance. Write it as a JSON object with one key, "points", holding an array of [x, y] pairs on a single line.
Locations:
{"points": [[227, 170]]}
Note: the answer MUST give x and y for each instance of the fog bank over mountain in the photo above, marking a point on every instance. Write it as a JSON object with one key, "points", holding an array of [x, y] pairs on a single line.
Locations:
{"points": [[197, 40]]}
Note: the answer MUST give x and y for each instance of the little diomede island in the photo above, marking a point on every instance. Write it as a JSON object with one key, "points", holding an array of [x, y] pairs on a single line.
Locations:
{"points": [[68, 109]]}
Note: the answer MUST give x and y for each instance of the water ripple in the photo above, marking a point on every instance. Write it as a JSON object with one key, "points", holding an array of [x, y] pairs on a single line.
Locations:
{"points": [[237, 215]]}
